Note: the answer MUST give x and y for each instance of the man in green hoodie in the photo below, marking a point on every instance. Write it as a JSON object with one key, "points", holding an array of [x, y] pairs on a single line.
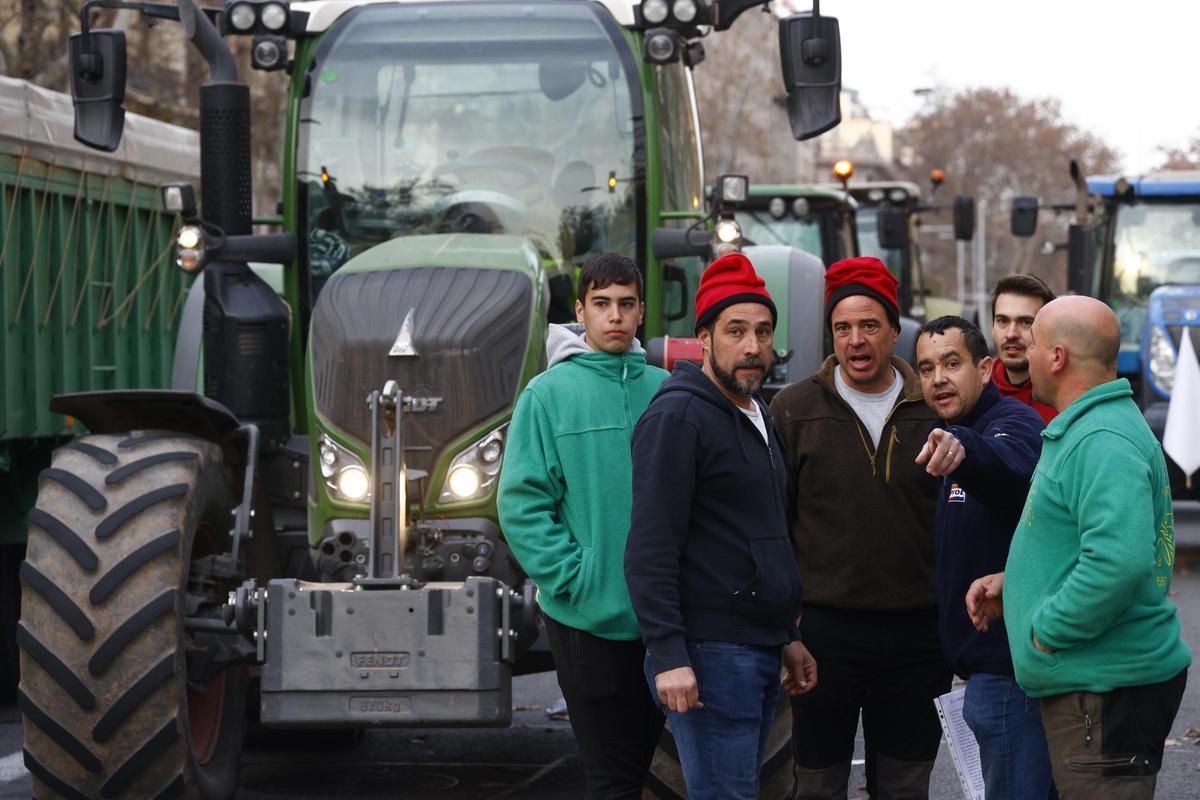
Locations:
{"points": [[1084, 591], [566, 492]]}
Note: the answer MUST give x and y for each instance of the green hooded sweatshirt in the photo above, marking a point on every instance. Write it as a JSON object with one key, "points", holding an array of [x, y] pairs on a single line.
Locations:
{"points": [[566, 490], [1090, 564]]}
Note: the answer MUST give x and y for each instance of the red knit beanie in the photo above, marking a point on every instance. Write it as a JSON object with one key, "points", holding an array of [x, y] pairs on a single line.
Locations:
{"points": [[729, 280], [865, 275]]}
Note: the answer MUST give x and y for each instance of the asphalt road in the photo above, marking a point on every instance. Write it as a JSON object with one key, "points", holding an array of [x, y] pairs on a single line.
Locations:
{"points": [[536, 758]]}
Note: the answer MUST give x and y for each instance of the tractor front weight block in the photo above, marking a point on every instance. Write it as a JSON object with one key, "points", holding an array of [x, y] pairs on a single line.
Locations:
{"points": [[409, 657]]}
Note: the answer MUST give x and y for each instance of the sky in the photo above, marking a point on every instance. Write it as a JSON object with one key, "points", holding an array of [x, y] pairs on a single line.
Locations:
{"points": [[1127, 72]]}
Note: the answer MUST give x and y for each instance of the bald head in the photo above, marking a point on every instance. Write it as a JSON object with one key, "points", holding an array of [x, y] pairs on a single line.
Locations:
{"points": [[1085, 327]]}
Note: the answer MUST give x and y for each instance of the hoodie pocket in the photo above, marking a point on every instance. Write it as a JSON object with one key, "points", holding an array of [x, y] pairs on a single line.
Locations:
{"points": [[772, 596]]}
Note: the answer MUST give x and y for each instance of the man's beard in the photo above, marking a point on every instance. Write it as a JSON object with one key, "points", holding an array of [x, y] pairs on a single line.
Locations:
{"points": [[730, 381]]}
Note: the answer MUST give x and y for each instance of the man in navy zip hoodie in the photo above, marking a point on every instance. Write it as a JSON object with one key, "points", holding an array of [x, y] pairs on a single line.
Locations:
{"points": [[709, 560], [985, 450]]}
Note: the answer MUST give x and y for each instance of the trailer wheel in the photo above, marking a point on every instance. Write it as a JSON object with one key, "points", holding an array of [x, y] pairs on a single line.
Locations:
{"points": [[775, 777], [109, 711], [10, 609]]}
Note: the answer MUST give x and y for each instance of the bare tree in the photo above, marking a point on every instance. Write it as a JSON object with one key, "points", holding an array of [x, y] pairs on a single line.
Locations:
{"points": [[738, 88], [996, 145], [1186, 157]]}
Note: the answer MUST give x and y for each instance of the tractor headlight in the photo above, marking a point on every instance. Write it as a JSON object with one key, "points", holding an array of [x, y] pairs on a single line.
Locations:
{"points": [[344, 473], [728, 231], [353, 483], [191, 251], [1162, 360], [475, 470], [777, 207]]}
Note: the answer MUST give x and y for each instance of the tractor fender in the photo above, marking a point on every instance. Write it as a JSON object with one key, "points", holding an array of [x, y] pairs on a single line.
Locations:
{"points": [[188, 413]]}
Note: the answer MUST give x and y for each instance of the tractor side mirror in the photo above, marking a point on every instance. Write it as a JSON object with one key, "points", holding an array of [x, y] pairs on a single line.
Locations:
{"points": [[964, 218], [811, 54], [892, 226], [98, 87], [1024, 216]]}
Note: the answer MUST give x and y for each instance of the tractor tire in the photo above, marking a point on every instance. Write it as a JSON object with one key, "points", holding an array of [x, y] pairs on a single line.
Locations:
{"points": [[775, 776], [10, 609], [108, 709]]}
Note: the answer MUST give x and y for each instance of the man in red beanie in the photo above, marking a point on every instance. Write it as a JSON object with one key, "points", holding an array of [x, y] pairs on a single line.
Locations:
{"points": [[863, 532], [709, 561]]}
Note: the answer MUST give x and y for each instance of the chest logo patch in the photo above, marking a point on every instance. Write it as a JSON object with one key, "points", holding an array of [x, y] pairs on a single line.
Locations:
{"points": [[957, 495]]}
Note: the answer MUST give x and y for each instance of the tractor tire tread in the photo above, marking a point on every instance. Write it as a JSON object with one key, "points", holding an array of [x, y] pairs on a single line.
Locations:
{"points": [[112, 579], [67, 539], [118, 475], [70, 745], [56, 669], [77, 486], [128, 772], [129, 630], [133, 698], [98, 453], [37, 770], [113, 522], [58, 600]]}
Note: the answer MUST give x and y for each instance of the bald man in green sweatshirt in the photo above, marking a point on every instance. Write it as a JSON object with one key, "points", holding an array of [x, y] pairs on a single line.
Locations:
{"points": [[1084, 592]]}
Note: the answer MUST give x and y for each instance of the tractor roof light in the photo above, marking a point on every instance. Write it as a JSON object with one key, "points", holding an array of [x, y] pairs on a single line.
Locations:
{"points": [[274, 16], [777, 207], [242, 17], [684, 10], [898, 196], [937, 176], [655, 11], [876, 195], [662, 46], [843, 169], [800, 207], [268, 53]]}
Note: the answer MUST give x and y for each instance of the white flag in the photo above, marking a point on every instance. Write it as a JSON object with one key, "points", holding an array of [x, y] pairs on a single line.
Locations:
{"points": [[1181, 439]]}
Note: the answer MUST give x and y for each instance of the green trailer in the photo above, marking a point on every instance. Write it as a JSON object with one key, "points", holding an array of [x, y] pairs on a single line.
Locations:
{"points": [[89, 294]]}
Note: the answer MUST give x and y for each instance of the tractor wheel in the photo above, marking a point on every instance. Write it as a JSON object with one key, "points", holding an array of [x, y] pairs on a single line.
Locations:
{"points": [[109, 710], [665, 781], [10, 609]]}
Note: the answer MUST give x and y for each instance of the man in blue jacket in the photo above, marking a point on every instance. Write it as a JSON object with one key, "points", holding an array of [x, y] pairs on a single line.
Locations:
{"points": [[985, 449], [709, 559]]}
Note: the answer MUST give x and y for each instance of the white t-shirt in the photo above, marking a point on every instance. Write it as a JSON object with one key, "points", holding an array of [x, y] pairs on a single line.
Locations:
{"points": [[872, 409], [756, 416]]}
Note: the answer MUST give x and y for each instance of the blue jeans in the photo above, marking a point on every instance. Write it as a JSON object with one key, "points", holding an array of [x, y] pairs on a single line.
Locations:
{"points": [[721, 745], [1007, 723]]}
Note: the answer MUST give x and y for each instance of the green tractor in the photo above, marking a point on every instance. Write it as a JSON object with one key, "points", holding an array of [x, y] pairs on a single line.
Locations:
{"points": [[815, 219], [307, 519]]}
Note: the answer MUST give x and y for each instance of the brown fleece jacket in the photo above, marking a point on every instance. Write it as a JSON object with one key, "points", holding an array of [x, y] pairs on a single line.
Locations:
{"points": [[863, 522]]}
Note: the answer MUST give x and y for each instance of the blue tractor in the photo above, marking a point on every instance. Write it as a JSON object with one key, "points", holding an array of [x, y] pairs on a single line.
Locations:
{"points": [[1135, 244]]}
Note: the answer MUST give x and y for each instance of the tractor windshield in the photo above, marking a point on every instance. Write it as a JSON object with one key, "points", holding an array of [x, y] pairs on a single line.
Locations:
{"points": [[473, 118], [1153, 244]]}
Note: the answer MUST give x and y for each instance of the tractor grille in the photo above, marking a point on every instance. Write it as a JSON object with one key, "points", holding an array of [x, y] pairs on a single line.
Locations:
{"points": [[1176, 333], [470, 330]]}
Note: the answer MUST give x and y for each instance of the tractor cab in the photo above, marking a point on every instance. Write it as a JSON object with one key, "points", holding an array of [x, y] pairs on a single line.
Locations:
{"points": [[815, 219]]}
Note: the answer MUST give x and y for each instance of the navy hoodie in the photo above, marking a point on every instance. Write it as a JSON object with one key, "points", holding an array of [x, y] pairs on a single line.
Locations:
{"points": [[978, 510], [709, 555]]}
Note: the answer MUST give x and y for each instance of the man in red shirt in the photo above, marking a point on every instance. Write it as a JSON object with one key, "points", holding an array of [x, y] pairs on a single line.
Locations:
{"points": [[1015, 302]]}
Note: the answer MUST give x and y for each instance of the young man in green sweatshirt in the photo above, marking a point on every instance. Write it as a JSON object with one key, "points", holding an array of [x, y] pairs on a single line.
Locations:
{"points": [[1084, 591], [565, 500]]}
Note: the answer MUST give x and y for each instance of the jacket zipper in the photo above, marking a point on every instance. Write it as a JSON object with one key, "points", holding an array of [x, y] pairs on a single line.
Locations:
{"points": [[892, 439]]}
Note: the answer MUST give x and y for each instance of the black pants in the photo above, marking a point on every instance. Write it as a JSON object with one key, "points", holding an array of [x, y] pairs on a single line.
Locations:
{"points": [[615, 721], [889, 665]]}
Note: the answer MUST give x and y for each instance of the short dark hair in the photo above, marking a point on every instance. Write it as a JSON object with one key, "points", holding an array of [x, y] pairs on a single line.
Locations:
{"points": [[972, 336], [1022, 283], [605, 269]]}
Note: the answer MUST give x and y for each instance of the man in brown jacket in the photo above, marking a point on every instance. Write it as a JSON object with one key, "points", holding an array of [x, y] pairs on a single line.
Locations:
{"points": [[863, 532]]}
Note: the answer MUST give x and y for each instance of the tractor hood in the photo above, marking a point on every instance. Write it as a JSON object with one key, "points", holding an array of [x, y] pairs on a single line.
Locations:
{"points": [[448, 317]]}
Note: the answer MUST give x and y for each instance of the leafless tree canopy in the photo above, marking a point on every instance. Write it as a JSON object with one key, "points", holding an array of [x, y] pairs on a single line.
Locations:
{"points": [[996, 145], [1187, 157]]}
